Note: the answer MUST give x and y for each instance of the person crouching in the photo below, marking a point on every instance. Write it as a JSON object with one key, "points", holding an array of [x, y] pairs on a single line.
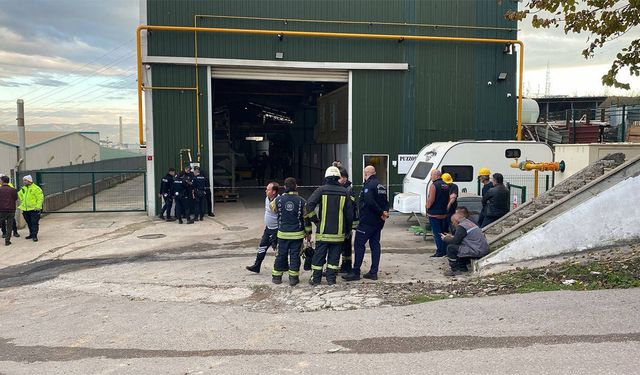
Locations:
{"points": [[467, 243]]}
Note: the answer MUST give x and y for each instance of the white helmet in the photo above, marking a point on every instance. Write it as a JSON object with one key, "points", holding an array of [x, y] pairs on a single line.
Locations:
{"points": [[332, 172]]}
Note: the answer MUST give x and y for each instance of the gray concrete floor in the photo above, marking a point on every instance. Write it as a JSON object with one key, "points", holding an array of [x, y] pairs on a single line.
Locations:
{"points": [[95, 297]]}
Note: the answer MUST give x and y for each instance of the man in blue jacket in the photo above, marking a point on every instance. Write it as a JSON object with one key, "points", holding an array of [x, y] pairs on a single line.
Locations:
{"points": [[374, 211]]}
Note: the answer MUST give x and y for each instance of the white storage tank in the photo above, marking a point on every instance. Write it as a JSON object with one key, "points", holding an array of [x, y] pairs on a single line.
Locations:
{"points": [[530, 111]]}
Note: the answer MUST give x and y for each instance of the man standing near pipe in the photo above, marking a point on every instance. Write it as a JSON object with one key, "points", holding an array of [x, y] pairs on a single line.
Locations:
{"points": [[31, 199]]}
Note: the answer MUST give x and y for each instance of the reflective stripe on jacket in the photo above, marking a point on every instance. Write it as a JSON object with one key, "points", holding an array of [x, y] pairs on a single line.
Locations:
{"points": [[335, 215], [290, 210]]}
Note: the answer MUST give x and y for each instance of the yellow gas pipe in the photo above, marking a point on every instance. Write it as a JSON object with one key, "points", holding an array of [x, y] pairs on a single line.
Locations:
{"points": [[529, 165], [311, 34]]}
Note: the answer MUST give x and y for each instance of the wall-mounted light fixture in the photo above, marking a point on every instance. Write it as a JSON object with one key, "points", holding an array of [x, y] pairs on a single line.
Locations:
{"points": [[254, 138], [502, 76]]}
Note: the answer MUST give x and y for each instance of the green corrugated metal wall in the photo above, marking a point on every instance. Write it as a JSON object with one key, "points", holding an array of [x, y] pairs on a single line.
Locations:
{"points": [[443, 96]]}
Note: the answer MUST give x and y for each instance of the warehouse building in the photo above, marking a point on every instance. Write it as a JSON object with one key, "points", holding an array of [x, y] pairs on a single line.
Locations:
{"points": [[48, 149], [229, 100]]}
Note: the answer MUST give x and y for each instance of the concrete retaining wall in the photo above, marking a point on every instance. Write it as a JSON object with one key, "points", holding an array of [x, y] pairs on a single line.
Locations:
{"points": [[604, 220]]}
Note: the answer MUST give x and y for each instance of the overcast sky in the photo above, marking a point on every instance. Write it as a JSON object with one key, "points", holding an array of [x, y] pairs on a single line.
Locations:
{"points": [[73, 61]]}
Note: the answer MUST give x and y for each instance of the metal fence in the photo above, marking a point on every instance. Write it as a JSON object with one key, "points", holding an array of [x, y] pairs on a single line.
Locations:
{"points": [[114, 185], [57, 183]]}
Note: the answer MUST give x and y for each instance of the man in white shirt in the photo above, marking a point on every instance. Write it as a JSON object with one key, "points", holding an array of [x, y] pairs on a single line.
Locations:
{"points": [[269, 236]]}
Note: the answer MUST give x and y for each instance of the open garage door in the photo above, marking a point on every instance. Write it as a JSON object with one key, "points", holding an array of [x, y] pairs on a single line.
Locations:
{"points": [[273, 74], [268, 129]]}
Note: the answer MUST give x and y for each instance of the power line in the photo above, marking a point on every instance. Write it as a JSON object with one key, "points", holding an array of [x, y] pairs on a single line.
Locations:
{"points": [[79, 102], [26, 94], [80, 79], [88, 90]]}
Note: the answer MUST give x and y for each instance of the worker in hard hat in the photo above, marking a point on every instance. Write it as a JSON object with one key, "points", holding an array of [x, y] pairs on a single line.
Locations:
{"points": [[333, 219], [484, 176], [453, 199]]}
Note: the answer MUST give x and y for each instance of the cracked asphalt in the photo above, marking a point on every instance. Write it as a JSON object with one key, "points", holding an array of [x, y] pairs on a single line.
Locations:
{"points": [[97, 299]]}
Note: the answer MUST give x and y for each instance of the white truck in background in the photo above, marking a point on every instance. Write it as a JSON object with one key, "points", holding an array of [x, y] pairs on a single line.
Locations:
{"points": [[463, 160]]}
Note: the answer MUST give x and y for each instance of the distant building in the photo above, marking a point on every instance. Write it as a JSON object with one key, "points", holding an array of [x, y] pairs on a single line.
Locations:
{"points": [[49, 149], [554, 108]]}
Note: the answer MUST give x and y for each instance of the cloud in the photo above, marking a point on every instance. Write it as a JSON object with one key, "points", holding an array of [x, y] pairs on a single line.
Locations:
{"points": [[49, 82], [64, 35], [9, 83]]}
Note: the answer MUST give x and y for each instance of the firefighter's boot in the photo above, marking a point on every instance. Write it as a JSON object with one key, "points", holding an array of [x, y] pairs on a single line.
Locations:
{"points": [[294, 280], [316, 278], [258, 263], [331, 276]]}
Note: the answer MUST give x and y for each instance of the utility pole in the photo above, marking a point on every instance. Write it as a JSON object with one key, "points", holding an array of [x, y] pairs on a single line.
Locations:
{"points": [[547, 83], [121, 142], [22, 141]]}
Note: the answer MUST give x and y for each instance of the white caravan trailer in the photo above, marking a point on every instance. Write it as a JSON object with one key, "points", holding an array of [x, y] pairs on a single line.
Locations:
{"points": [[463, 161]]}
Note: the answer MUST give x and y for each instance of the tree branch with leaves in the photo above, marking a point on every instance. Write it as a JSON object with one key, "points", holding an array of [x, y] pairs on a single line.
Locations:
{"points": [[604, 20]]}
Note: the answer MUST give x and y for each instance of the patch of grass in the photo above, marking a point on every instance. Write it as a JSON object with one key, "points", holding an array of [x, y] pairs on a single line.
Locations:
{"points": [[586, 276], [422, 298]]}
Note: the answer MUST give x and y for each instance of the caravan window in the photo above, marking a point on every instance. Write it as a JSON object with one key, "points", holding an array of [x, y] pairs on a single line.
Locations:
{"points": [[422, 170], [512, 153], [460, 173]]}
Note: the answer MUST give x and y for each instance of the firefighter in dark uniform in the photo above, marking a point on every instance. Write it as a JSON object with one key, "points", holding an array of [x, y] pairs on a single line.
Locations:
{"points": [[291, 232], [166, 193], [333, 220], [199, 193], [347, 248], [374, 211]]}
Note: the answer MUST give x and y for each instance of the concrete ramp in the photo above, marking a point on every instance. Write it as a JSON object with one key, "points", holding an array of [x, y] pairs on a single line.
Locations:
{"points": [[597, 207]]}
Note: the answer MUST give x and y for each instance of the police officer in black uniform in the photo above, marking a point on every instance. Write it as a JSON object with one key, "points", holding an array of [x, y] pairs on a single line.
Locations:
{"points": [[199, 191], [178, 189], [207, 194], [183, 193], [166, 193], [374, 211]]}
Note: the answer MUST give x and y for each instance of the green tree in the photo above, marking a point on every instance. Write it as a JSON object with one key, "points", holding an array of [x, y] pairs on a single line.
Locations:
{"points": [[604, 20]]}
